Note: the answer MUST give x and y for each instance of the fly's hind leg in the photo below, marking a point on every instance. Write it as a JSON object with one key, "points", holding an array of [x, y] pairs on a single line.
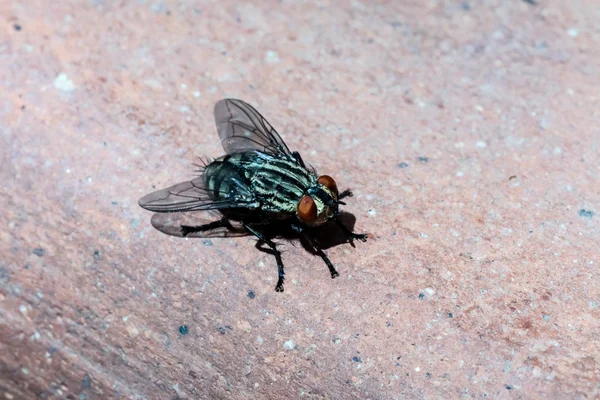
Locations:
{"points": [[320, 252], [275, 252], [187, 229]]}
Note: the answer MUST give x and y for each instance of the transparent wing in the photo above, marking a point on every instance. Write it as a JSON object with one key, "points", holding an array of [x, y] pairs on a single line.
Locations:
{"points": [[194, 196], [242, 128]]}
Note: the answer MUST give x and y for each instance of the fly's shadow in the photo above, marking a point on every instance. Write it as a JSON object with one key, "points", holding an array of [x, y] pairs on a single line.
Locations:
{"points": [[326, 236]]}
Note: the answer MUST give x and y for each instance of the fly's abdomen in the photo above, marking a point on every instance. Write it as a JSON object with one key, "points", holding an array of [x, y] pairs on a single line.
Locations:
{"points": [[225, 181]]}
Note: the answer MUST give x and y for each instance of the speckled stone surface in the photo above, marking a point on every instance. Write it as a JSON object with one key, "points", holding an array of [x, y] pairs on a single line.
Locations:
{"points": [[469, 132]]}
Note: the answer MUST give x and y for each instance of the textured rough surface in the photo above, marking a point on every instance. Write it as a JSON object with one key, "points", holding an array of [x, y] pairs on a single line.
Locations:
{"points": [[468, 130]]}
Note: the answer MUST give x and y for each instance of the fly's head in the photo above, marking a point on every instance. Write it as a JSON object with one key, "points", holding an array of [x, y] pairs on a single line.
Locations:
{"points": [[320, 203]]}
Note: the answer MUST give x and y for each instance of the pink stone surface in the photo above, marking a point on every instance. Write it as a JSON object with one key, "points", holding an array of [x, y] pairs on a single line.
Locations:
{"points": [[469, 132]]}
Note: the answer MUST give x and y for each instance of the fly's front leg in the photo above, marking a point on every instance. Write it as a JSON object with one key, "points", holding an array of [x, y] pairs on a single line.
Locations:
{"points": [[360, 236], [276, 253], [345, 193], [320, 252], [187, 229]]}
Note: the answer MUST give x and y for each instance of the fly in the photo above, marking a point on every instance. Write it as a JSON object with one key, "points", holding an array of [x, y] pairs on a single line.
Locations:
{"points": [[259, 184]]}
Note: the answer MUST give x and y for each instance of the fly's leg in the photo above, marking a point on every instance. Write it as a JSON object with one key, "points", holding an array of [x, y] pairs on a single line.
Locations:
{"points": [[360, 236], [345, 193], [320, 252], [187, 229], [276, 253]]}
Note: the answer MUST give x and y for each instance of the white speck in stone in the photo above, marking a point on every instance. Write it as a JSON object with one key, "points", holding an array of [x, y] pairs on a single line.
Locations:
{"points": [[459, 145], [63, 83], [125, 318], [212, 89], [593, 304], [424, 235], [23, 309], [36, 335], [184, 109], [256, 385], [460, 173], [289, 345], [28, 48], [153, 84], [573, 32], [259, 340], [197, 94], [429, 291], [557, 151], [481, 144], [372, 212], [271, 57], [183, 86], [417, 369], [479, 108], [89, 179], [68, 170], [25, 371]]}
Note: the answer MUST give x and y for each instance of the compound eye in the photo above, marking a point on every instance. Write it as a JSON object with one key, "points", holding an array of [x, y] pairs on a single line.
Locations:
{"points": [[329, 183], [307, 209]]}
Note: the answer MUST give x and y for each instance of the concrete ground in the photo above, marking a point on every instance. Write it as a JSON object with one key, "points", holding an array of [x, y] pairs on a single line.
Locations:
{"points": [[469, 131]]}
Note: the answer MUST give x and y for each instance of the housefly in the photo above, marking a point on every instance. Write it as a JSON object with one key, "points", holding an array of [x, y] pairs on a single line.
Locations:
{"points": [[258, 184]]}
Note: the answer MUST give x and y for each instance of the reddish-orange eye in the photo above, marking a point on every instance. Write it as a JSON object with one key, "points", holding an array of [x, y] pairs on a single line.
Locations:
{"points": [[307, 209], [329, 183]]}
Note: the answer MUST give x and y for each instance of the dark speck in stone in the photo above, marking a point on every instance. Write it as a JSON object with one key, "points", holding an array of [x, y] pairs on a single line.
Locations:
{"points": [[251, 294], [423, 160], [428, 375], [421, 296], [17, 27], [38, 251], [586, 213], [22, 108], [356, 359], [532, 2], [450, 315], [86, 381], [466, 6], [207, 242], [96, 255], [402, 165], [183, 329], [508, 387]]}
